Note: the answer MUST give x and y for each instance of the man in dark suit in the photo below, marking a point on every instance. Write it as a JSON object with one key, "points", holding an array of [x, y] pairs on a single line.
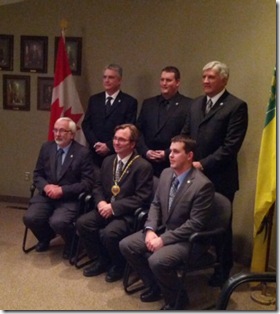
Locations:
{"points": [[155, 252], [64, 169], [105, 111], [118, 194], [161, 118], [218, 122]]}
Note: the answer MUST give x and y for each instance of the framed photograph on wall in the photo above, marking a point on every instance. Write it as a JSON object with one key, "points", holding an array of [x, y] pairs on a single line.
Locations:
{"points": [[74, 53], [44, 93], [16, 92], [6, 52], [34, 54]]}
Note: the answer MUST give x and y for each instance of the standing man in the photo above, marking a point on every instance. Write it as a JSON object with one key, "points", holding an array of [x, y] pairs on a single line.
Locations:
{"points": [[154, 254], [161, 118], [105, 111], [218, 122], [126, 183], [64, 169]]}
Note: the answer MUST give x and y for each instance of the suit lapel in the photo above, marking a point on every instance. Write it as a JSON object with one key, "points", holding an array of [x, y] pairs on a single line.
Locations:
{"points": [[53, 160], [115, 104], [68, 160], [218, 106]]}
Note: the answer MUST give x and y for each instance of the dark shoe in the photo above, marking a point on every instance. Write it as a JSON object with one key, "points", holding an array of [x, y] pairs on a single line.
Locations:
{"points": [[94, 269], [42, 246], [179, 305], [151, 295], [115, 273]]}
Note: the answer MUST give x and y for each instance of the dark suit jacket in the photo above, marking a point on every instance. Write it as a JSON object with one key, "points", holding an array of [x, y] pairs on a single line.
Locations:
{"points": [[190, 209], [99, 127], [136, 186], [76, 173], [157, 135], [219, 136]]}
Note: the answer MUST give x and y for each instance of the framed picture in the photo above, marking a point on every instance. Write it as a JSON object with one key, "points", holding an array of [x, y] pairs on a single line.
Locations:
{"points": [[74, 53], [44, 93], [6, 52], [34, 54], [16, 92]]}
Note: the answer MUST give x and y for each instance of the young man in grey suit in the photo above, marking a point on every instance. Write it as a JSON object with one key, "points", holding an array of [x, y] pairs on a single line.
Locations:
{"points": [[126, 183], [218, 123], [105, 111], [154, 254], [162, 117], [63, 171]]}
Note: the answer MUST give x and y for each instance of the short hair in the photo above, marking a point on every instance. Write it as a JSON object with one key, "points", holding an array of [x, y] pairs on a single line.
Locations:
{"points": [[115, 67], [174, 70], [218, 66], [189, 143], [134, 132], [71, 124]]}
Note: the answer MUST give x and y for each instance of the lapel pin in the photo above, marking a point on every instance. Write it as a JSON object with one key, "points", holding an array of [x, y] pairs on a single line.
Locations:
{"points": [[71, 156], [189, 181], [221, 104], [176, 104]]}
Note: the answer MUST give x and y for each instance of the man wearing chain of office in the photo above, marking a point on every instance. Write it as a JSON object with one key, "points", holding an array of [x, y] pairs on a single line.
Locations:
{"points": [[125, 184]]}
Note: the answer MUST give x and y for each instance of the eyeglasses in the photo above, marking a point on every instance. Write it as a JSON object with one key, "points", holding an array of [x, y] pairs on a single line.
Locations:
{"points": [[61, 131], [120, 140]]}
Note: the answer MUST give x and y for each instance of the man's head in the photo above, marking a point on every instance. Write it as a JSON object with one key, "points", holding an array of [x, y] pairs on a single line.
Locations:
{"points": [[181, 153], [125, 139], [214, 77], [112, 78], [64, 131], [169, 81]]}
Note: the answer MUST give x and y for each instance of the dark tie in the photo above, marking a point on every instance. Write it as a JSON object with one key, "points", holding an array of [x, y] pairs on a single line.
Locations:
{"points": [[108, 104], [173, 191], [119, 170], [59, 154], [209, 105], [167, 104]]}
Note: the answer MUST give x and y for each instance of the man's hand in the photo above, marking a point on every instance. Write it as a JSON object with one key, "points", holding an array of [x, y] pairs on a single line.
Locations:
{"points": [[53, 191], [156, 155], [101, 149], [197, 165], [153, 241], [105, 209]]}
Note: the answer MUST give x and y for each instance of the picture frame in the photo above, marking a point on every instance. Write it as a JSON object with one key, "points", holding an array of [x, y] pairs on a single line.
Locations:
{"points": [[34, 54], [16, 92], [74, 53], [6, 52], [44, 93]]}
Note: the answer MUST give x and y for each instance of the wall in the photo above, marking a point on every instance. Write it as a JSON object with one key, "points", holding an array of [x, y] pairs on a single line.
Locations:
{"points": [[144, 36]]}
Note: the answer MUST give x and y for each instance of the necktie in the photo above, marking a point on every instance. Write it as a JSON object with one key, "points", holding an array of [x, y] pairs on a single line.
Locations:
{"points": [[209, 105], [173, 191], [167, 104], [108, 104], [59, 154], [119, 170]]}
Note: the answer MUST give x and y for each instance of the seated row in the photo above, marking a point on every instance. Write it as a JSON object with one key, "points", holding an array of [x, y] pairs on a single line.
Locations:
{"points": [[123, 184]]}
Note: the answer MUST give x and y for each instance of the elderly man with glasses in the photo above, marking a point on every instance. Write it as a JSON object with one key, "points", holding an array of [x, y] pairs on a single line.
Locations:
{"points": [[64, 169]]}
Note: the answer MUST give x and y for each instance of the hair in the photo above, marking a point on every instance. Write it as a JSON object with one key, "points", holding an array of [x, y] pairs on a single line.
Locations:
{"points": [[134, 133], [189, 143], [71, 124], [115, 67], [174, 70], [218, 66]]}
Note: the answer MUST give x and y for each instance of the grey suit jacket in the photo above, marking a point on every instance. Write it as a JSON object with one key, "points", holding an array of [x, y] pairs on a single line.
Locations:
{"points": [[77, 171], [190, 210]]}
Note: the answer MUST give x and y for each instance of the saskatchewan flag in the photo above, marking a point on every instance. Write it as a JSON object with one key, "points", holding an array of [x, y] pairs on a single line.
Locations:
{"points": [[266, 186]]}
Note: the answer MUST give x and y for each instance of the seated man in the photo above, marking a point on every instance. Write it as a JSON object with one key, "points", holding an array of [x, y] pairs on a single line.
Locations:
{"points": [[64, 169], [181, 206], [118, 194]]}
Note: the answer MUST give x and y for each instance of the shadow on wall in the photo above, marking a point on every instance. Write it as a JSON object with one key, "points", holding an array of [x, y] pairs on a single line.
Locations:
{"points": [[241, 253]]}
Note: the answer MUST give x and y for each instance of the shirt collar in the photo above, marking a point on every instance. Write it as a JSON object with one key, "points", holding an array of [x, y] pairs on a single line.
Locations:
{"points": [[114, 96], [125, 159], [216, 97]]}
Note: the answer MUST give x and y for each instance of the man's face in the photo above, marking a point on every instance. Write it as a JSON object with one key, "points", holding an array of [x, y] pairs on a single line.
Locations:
{"points": [[123, 146], [168, 84], [62, 134], [111, 81], [212, 82], [179, 159]]}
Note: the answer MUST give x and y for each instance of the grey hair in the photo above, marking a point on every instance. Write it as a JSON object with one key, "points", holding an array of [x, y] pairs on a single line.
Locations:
{"points": [[218, 66], [72, 125], [115, 67]]}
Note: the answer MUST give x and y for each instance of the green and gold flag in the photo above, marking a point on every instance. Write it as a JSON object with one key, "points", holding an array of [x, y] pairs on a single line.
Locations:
{"points": [[266, 185]]}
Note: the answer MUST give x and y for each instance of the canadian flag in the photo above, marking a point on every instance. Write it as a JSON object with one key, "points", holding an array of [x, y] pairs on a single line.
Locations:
{"points": [[65, 98]]}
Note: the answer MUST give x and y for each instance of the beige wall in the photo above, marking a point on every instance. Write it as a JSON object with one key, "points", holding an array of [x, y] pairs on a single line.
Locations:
{"points": [[144, 36]]}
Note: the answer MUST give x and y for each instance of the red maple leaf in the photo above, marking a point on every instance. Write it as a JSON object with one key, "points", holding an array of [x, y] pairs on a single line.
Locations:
{"points": [[74, 116]]}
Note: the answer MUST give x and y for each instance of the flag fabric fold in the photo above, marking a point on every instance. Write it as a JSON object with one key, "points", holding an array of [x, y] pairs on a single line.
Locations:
{"points": [[265, 197], [65, 98]]}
